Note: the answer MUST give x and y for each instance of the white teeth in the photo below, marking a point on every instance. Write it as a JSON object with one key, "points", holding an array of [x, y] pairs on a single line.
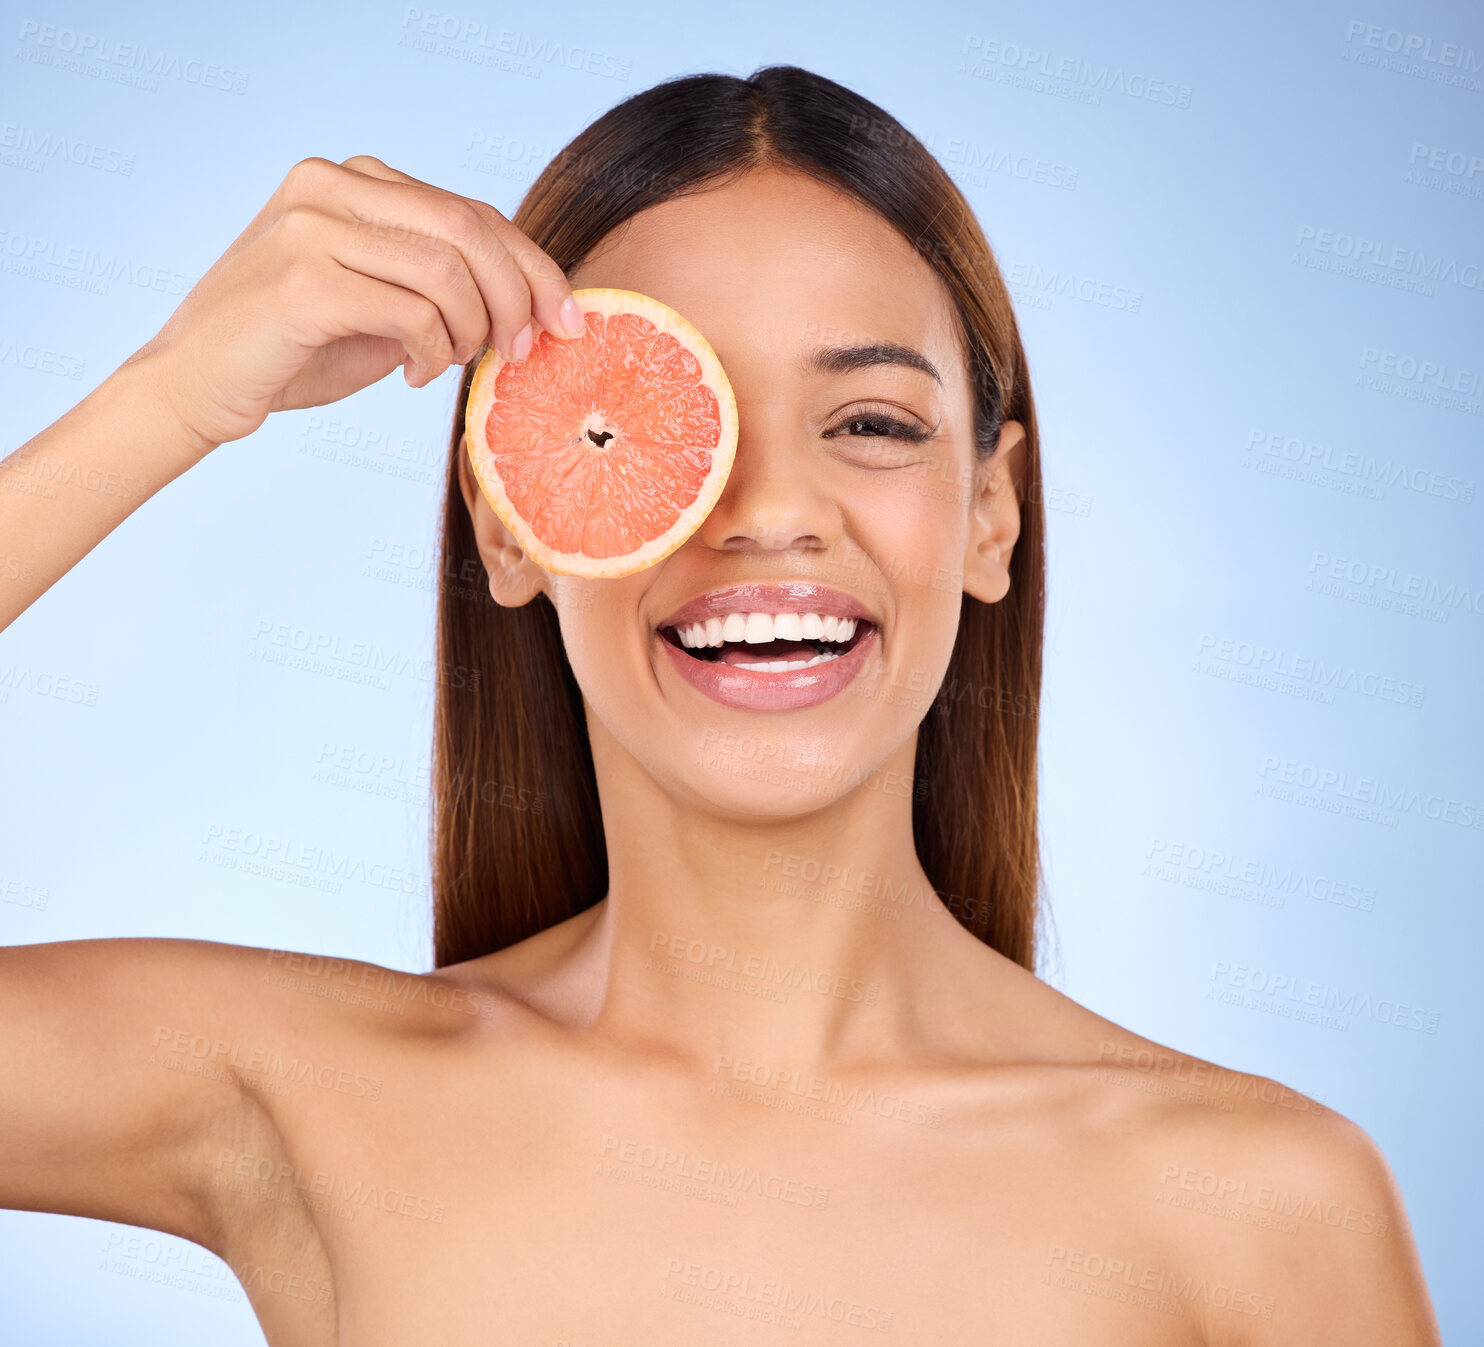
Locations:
{"points": [[757, 628], [786, 665]]}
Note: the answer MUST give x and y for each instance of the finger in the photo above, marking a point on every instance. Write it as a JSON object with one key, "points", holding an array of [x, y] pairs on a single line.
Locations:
{"points": [[548, 286], [386, 212], [352, 302], [388, 208], [431, 266]]}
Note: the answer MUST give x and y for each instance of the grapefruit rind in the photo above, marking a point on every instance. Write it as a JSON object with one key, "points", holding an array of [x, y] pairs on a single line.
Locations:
{"points": [[607, 301]]}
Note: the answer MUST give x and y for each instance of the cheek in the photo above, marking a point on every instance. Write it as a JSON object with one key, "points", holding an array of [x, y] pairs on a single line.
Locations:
{"points": [[605, 645], [593, 641], [597, 617], [916, 535], [916, 520]]}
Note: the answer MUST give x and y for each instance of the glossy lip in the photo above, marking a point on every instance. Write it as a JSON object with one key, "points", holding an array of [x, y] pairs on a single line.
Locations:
{"points": [[795, 597], [751, 690]]}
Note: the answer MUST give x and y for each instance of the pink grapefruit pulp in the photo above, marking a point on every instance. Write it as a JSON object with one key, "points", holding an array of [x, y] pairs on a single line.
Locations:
{"points": [[604, 454]]}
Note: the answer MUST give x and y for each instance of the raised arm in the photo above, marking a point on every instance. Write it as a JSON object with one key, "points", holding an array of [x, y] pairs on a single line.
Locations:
{"points": [[101, 462], [105, 1111], [349, 271], [175, 1084]]}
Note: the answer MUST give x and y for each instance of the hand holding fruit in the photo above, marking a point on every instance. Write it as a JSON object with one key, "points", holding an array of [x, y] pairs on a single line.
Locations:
{"points": [[347, 272]]}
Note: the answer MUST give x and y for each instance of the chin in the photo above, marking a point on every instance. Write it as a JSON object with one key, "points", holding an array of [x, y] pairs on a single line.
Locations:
{"points": [[772, 775]]}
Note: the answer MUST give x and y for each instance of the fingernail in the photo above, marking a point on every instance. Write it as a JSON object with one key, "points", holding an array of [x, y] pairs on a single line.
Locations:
{"points": [[572, 319], [520, 348]]}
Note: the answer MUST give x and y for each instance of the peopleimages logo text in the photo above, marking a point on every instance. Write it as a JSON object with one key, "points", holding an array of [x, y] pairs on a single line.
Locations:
{"points": [[1417, 46], [1373, 252], [159, 64]]}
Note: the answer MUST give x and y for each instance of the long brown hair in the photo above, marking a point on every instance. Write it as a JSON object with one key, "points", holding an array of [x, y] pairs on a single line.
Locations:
{"points": [[518, 841]]}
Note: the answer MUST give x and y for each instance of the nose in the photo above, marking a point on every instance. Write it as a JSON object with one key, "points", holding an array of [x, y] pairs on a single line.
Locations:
{"points": [[773, 501]]}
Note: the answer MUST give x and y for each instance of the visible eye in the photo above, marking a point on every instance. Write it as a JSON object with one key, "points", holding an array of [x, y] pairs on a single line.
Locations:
{"points": [[879, 423], [872, 423]]}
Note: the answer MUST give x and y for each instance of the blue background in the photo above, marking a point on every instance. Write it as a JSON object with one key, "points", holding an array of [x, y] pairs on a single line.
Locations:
{"points": [[1209, 378]]}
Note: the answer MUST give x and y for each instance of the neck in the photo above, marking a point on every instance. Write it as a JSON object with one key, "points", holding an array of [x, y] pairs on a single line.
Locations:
{"points": [[794, 942]]}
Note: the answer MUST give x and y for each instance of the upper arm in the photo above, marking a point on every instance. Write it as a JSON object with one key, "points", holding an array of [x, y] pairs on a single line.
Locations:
{"points": [[1325, 1237], [102, 1113], [1355, 1273]]}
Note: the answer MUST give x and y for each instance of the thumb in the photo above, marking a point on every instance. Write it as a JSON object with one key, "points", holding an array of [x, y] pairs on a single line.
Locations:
{"points": [[343, 367]]}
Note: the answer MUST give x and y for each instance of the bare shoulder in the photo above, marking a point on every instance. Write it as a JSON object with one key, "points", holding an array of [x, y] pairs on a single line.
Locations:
{"points": [[296, 1038], [1300, 1202], [195, 1045], [315, 1048], [363, 1023], [1250, 1187], [233, 1008], [378, 999]]}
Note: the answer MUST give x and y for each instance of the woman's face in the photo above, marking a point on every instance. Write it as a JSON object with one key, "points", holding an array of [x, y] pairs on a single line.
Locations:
{"points": [[861, 481]]}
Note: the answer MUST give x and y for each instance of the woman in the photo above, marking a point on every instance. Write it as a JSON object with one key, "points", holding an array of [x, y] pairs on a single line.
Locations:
{"points": [[733, 1023]]}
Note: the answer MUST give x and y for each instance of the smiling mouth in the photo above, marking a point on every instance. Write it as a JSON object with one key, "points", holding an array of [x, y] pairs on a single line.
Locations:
{"points": [[775, 656]]}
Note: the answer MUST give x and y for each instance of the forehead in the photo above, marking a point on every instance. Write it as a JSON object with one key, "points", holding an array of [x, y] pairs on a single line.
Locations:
{"points": [[774, 264]]}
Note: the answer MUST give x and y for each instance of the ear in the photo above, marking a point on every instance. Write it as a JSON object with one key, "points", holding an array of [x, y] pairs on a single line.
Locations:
{"points": [[995, 525], [514, 578]]}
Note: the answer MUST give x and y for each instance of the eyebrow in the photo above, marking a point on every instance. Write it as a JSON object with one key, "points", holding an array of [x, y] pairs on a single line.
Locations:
{"points": [[846, 359]]}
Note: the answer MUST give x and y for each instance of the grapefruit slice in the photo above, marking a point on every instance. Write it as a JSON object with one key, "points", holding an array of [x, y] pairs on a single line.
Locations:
{"points": [[604, 454]]}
